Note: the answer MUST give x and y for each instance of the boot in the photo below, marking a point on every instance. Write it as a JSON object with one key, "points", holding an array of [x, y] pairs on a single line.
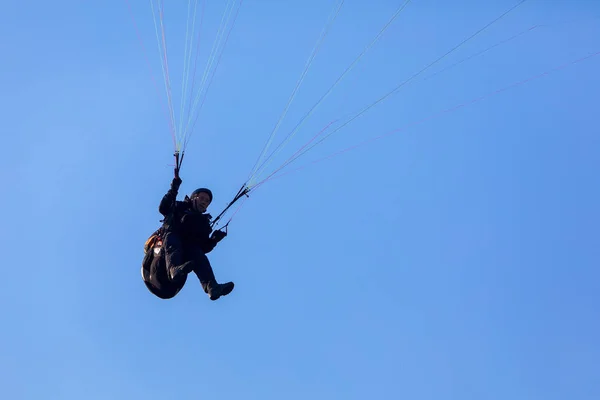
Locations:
{"points": [[179, 271], [216, 290]]}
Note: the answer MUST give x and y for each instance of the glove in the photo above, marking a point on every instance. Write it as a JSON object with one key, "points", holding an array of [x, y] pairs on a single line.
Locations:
{"points": [[175, 184], [217, 236], [176, 180]]}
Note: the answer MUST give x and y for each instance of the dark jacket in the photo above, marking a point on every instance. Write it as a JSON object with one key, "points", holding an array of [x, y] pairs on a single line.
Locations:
{"points": [[192, 226]]}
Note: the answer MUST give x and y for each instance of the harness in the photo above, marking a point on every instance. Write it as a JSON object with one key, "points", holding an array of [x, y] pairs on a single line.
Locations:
{"points": [[155, 242]]}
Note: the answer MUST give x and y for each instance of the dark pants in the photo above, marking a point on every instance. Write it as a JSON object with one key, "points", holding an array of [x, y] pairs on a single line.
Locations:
{"points": [[177, 253]]}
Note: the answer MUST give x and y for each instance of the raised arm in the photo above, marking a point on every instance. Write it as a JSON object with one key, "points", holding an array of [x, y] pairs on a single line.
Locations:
{"points": [[168, 200]]}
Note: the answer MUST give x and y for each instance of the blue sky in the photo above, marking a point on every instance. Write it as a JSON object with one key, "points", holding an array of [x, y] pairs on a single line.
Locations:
{"points": [[455, 259]]}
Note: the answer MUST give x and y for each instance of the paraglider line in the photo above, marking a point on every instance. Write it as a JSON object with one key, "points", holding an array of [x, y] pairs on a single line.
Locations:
{"points": [[162, 64], [249, 188], [187, 55], [237, 210], [214, 72], [150, 67], [364, 110], [196, 59], [438, 114], [298, 151], [333, 86], [166, 61], [209, 62], [513, 37], [311, 58], [454, 65], [244, 190]]}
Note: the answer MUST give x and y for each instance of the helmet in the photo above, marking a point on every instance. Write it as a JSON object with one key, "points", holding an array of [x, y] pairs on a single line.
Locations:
{"points": [[201, 190]]}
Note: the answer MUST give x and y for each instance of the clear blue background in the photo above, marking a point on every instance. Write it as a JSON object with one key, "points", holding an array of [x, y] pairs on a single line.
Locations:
{"points": [[455, 259]]}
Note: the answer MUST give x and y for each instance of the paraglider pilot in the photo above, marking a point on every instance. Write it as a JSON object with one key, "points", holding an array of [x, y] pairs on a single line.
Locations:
{"points": [[187, 237]]}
